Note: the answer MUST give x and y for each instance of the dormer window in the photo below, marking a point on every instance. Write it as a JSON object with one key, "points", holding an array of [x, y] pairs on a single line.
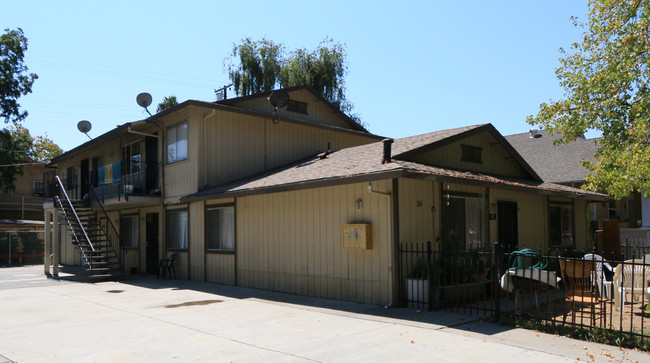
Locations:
{"points": [[297, 106], [471, 154]]}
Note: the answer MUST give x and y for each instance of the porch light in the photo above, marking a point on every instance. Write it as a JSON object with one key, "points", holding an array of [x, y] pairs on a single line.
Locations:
{"points": [[358, 204]]}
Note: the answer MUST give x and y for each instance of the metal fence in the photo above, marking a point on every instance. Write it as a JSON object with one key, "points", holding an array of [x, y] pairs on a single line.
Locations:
{"points": [[532, 284], [21, 248]]}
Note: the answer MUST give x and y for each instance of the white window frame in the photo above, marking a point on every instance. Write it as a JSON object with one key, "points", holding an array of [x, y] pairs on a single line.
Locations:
{"points": [[177, 142], [177, 229], [132, 159], [220, 228]]}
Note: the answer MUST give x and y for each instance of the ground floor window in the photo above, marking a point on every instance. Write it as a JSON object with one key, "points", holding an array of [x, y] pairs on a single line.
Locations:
{"points": [[463, 221], [220, 228], [177, 233], [560, 222], [129, 231]]}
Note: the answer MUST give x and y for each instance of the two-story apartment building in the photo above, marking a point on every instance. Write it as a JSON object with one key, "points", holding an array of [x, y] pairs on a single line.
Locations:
{"points": [[305, 200]]}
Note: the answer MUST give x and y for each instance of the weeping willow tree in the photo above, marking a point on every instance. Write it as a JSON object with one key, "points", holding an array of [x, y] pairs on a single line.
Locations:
{"points": [[263, 65]]}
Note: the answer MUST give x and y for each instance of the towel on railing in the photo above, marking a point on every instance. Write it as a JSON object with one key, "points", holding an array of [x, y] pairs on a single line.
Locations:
{"points": [[108, 174], [117, 172], [100, 176]]}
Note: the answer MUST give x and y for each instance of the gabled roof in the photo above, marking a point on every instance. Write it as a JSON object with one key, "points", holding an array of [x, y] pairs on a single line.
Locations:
{"points": [[426, 142], [355, 125], [555, 163], [228, 106], [364, 163]]}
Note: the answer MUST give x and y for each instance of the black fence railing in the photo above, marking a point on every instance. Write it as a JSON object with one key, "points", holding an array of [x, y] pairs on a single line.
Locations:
{"points": [[558, 286]]}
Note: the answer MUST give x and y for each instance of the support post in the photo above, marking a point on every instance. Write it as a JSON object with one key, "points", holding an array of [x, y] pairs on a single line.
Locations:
{"points": [[46, 243], [56, 243]]}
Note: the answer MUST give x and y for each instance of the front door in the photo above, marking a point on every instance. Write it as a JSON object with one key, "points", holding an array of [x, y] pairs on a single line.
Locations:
{"points": [[508, 232], [151, 166], [152, 243], [85, 177]]}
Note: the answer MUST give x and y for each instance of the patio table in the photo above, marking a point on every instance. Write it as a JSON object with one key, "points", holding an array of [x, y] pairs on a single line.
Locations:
{"points": [[527, 279]]}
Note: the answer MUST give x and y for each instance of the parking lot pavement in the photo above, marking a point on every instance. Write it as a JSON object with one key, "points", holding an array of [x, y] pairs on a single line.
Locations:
{"points": [[143, 319]]}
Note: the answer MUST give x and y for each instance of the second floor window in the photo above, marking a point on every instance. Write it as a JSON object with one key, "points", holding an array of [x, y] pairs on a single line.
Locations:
{"points": [[177, 142], [132, 158]]}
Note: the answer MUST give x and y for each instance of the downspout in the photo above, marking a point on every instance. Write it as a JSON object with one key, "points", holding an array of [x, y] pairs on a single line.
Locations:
{"points": [[162, 191], [397, 266]]}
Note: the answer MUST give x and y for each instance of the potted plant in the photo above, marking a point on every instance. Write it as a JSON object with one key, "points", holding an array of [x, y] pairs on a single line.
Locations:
{"points": [[417, 284]]}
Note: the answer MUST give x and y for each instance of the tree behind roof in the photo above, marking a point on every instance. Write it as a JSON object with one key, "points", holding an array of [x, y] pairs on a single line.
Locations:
{"points": [[261, 66], [606, 79]]}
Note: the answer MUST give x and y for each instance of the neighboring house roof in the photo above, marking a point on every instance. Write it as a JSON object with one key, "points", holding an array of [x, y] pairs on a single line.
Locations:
{"points": [[555, 163], [364, 163]]}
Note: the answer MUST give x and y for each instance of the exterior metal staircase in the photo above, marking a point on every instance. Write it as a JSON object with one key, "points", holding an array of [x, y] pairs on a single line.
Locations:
{"points": [[92, 237]]}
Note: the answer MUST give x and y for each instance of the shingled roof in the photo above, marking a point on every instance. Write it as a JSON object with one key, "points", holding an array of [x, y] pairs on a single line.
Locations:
{"points": [[555, 163], [364, 163]]}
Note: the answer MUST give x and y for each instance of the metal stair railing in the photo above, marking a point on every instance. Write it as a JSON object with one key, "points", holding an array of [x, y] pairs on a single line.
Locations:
{"points": [[109, 230], [62, 188], [74, 235]]}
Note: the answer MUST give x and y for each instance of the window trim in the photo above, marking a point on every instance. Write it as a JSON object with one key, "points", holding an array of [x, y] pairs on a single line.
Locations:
{"points": [[297, 106], [176, 126], [127, 158], [179, 249], [40, 193], [552, 203], [205, 214], [137, 225], [472, 151]]}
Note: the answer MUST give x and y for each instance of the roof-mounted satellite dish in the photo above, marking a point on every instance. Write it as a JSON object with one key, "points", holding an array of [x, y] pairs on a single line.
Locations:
{"points": [[144, 100], [278, 99], [84, 126]]}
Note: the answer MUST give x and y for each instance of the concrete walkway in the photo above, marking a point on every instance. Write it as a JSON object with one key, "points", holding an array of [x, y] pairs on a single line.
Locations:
{"points": [[144, 319]]}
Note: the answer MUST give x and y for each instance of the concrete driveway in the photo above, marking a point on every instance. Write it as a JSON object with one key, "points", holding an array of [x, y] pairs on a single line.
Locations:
{"points": [[142, 319]]}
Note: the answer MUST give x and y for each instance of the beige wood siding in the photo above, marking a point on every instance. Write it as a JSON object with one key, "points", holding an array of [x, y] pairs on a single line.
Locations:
{"points": [[496, 160], [197, 241], [417, 211], [291, 242], [220, 268], [181, 178], [532, 214], [237, 145]]}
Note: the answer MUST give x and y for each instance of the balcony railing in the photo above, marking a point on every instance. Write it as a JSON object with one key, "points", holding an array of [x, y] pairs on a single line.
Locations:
{"points": [[127, 184]]}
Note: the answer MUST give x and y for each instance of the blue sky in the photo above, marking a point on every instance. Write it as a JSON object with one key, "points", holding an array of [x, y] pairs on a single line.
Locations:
{"points": [[414, 66]]}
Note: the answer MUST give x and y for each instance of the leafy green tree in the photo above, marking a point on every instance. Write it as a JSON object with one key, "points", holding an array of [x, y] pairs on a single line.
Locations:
{"points": [[606, 81], [14, 150], [167, 102], [261, 66], [19, 147], [15, 80]]}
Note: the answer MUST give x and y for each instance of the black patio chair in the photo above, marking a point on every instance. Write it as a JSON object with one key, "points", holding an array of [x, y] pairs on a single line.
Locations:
{"points": [[166, 266]]}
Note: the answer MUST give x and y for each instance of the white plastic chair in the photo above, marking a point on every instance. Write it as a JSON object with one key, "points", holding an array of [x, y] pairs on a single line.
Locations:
{"points": [[631, 278], [604, 285]]}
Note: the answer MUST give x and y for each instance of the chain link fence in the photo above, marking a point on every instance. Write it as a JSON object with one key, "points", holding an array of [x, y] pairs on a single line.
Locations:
{"points": [[21, 248]]}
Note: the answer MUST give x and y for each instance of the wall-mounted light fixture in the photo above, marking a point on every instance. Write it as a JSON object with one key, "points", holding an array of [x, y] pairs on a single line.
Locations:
{"points": [[358, 204]]}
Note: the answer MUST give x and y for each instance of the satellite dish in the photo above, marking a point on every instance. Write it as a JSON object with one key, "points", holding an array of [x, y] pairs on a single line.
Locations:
{"points": [[84, 126], [143, 99], [279, 99]]}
